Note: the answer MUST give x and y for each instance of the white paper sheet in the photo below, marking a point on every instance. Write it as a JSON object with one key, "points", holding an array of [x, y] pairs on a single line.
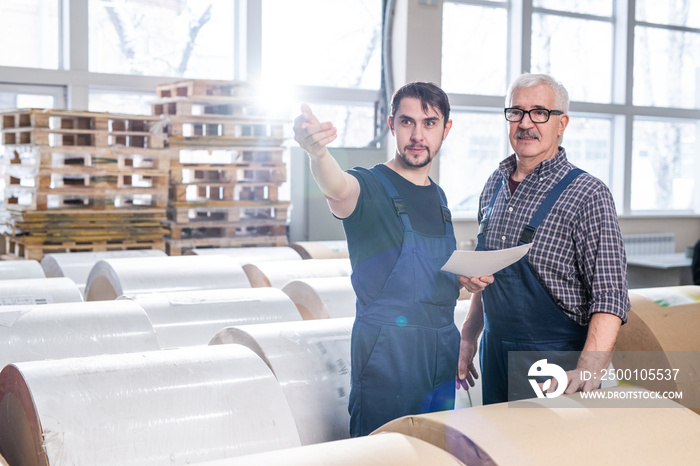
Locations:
{"points": [[480, 263]]}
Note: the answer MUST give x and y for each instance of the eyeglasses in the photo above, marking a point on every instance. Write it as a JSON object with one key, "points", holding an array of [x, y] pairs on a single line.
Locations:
{"points": [[537, 115]]}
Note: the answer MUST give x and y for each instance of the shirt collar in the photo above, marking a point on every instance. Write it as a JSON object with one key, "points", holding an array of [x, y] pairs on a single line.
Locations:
{"points": [[542, 171]]}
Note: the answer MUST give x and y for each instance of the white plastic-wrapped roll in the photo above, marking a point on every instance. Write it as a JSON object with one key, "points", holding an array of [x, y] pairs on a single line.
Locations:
{"points": [[251, 254], [322, 298], [111, 278], [77, 265], [179, 406], [24, 291], [389, 449], [185, 318], [12, 270], [278, 273], [321, 249], [512, 433], [63, 330], [311, 360]]}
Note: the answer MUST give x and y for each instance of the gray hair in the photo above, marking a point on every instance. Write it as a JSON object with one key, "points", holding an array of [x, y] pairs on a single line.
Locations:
{"points": [[561, 96]]}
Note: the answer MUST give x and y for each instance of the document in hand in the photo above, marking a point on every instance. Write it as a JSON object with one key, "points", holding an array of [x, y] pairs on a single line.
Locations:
{"points": [[480, 263]]}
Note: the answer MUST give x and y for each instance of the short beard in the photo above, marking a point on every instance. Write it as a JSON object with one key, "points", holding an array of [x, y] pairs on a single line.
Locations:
{"points": [[419, 164]]}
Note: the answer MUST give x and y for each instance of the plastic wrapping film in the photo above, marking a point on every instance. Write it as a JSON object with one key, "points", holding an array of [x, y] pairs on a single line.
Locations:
{"points": [[110, 278], [311, 360], [321, 249], [251, 254], [171, 407], [278, 273], [12, 270], [28, 291], [185, 318], [53, 331], [77, 265], [389, 449], [565, 430], [662, 333], [322, 298]]}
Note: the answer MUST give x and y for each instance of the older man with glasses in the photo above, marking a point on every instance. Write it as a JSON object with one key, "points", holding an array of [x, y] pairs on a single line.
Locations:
{"points": [[568, 296]]}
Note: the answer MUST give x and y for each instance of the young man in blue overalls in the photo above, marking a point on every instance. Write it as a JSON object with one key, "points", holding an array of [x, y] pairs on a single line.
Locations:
{"points": [[404, 345]]}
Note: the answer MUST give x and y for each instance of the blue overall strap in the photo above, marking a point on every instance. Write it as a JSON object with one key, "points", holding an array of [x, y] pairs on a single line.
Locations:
{"points": [[485, 220], [446, 214], [399, 205], [528, 233]]}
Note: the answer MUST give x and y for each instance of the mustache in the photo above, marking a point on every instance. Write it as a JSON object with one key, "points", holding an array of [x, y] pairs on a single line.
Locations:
{"points": [[416, 146], [523, 133]]}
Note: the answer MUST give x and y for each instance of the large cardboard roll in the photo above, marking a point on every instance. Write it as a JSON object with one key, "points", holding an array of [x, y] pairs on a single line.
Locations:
{"points": [[663, 333], [62, 330], [311, 361], [278, 273], [77, 265], [564, 430], [251, 254], [30, 291], [185, 318], [322, 298], [321, 249], [111, 278], [389, 449], [180, 406], [12, 270]]}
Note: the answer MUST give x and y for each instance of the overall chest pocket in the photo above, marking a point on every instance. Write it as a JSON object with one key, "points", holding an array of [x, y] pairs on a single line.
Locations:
{"points": [[430, 284]]}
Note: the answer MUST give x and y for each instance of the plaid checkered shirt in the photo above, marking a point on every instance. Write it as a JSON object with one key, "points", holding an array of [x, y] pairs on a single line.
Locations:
{"points": [[577, 252]]}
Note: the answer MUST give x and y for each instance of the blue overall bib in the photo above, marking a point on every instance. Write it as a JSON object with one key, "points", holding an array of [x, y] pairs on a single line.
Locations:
{"points": [[404, 343], [521, 315]]}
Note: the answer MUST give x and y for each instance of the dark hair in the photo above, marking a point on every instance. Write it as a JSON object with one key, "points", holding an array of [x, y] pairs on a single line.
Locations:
{"points": [[429, 95]]}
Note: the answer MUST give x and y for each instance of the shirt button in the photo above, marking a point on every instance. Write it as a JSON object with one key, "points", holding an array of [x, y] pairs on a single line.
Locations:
{"points": [[541, 178], [510, 209], [503, 238]]}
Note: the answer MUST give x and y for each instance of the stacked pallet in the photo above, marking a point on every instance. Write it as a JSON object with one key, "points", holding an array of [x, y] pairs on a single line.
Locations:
{"points": [[226, 168], [83, 181]]}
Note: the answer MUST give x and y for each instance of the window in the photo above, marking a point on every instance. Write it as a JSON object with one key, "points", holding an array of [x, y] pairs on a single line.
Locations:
{"points": [[120, 102], [30, 32], [638, 132], [189, 38]]}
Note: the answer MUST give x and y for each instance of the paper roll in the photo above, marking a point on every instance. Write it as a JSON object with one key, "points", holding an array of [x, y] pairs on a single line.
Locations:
{"points": [[250, 254], [29, 291], [321, 249], [54, 331], [179, 406], [311, 360], [389, 449], [185, 318], [322, 298], [111, 278], [661, 333], [533, 433], [77, 265], [278, 273], [14, 269]]}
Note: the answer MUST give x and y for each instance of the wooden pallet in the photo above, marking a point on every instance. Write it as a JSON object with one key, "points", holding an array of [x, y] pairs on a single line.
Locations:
{"points": [[193, 213], [50, 127], [204, 87], [208, 130], [109, 159], [217, 229], [18, 248], [240, 172], [66, 180], [206, 105], [178, 247], [36, 198], [227, 154], [203, 192]]}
